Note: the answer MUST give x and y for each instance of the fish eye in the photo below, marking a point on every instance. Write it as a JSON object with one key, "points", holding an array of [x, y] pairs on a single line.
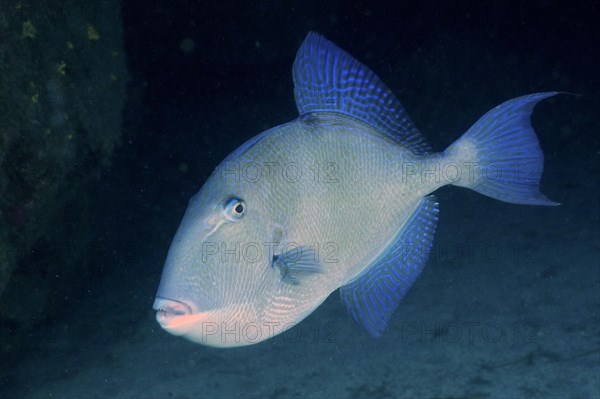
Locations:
{"points": [[235, 208]]}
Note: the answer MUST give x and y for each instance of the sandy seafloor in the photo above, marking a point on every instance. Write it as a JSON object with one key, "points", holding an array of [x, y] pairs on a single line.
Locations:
{"points": [[508, 305]]}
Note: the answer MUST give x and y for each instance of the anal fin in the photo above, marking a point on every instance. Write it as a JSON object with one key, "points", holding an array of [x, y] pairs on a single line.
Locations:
{"points": [[375, 294]]}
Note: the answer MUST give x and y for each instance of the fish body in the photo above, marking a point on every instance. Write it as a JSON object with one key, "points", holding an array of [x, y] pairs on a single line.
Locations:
{"points": [[339, 198]]}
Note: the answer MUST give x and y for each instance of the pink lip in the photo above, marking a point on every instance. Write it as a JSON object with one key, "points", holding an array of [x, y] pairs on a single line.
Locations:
{"points": [[169, 309]]}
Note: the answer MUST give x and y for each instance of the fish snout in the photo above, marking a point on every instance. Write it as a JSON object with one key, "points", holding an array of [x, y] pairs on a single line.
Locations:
{"points": [[168, 309], [178, 317]]}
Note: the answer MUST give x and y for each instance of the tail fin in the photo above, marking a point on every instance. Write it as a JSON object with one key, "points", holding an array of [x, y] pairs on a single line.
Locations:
{"points": [[507, 158]]}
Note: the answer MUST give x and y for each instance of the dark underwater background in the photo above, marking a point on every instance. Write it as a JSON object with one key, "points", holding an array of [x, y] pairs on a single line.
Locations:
{"points": [[99, 157]]}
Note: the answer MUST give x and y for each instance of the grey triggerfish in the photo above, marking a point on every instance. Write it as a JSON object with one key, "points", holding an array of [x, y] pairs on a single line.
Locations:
{"points": [[338, 198]]}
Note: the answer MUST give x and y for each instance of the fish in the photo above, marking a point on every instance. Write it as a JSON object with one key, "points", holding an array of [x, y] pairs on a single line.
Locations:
{"points": [[340, 198]]}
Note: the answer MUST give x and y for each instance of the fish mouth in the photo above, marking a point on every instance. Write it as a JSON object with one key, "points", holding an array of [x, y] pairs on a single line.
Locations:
{"points": [[169, 309], [177, 317]]}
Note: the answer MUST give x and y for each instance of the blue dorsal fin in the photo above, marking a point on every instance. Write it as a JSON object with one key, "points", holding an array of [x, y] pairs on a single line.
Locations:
{"points": [[327, 79], [375, 294]]}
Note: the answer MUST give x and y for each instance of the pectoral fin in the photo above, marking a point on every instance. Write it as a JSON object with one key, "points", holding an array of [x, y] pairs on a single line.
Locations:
{"points": [[296, 264]]}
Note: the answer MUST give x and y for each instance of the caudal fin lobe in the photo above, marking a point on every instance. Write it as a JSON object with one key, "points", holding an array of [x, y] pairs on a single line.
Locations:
{"points": [[504, 153]]}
